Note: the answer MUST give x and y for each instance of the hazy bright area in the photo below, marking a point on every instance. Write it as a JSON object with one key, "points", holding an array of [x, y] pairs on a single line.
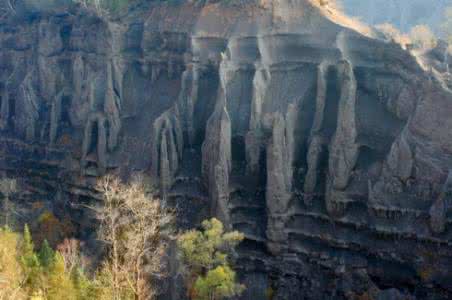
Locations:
{"points": [[418, 24], [403, 14]]}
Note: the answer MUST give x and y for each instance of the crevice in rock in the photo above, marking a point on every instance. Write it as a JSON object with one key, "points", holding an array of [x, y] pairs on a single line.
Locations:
{"points": [[60, 120], [94, 149]]}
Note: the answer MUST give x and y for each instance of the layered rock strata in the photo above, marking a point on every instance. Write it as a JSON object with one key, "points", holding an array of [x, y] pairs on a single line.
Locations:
{"points": [[330, 150]]}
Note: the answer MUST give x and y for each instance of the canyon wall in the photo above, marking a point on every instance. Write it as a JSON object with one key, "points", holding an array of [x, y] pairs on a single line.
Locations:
{"points": [[330, 150]]}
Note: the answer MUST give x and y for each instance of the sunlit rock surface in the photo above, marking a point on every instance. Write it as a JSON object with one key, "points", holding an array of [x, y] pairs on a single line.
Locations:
{"points": [[330, 150]]}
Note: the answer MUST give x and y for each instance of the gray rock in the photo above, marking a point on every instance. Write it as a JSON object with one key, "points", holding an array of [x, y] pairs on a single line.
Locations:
{"points": [[279, 185], [328, 149], [26, 7], [344, 147], [216, 162], [440, 206]]}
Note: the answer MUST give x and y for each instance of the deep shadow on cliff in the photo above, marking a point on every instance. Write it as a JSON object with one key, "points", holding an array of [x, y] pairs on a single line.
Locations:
{"points": [[329, 149]]}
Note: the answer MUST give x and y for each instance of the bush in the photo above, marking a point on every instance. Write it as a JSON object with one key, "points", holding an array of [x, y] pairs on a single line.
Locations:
{"points": [[205, 254]]}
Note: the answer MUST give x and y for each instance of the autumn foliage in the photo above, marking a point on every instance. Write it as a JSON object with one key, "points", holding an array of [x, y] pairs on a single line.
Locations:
{"points": [[206, 255]]}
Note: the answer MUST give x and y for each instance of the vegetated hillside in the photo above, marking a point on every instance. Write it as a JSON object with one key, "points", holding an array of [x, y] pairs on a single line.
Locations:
{"points": [[329, 149], [404, 14]]}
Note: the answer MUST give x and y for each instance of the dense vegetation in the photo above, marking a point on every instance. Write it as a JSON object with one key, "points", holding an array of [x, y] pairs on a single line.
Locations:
{"points": [[131, 229], [45, 274], [134, 230]]}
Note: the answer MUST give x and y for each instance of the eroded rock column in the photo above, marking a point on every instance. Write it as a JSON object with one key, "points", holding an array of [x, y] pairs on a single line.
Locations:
{"points": [[344, 147], [279, 184]]}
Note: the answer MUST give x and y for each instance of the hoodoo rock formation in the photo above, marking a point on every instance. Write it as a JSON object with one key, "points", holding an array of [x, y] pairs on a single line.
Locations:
{"points": [[329, 149]]}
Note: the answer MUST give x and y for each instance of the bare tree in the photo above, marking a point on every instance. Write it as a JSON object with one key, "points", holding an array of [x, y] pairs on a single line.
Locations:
{"points": [[70, 251], [132, 226], [423, 38]]}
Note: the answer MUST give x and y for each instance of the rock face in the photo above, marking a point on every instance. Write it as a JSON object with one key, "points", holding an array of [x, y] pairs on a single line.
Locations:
{"points": [[330, 150]]}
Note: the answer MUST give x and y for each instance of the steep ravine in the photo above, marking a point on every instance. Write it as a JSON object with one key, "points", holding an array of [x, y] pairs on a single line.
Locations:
{"points": [[330, 150]]}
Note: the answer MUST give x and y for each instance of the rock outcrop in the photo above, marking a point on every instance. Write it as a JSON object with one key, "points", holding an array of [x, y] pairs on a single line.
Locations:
{"points": [[329, 149]]}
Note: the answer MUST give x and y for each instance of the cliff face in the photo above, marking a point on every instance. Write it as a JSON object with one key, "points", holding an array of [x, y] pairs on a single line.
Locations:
{"points": [[330, 150]]}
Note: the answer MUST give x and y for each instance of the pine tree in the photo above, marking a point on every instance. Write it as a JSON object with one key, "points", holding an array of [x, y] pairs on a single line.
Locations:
{"points": [[27, 246], [30, 263], [46, 255], [47, 275]]}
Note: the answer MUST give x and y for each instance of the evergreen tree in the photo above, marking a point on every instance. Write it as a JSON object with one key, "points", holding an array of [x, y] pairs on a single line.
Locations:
{"points": [[46, 255], [30, 263], [27, 246], [47, 275]]}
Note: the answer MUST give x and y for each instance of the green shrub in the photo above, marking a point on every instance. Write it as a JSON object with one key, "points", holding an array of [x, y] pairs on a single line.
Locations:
{"points": [[205, 254]]}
